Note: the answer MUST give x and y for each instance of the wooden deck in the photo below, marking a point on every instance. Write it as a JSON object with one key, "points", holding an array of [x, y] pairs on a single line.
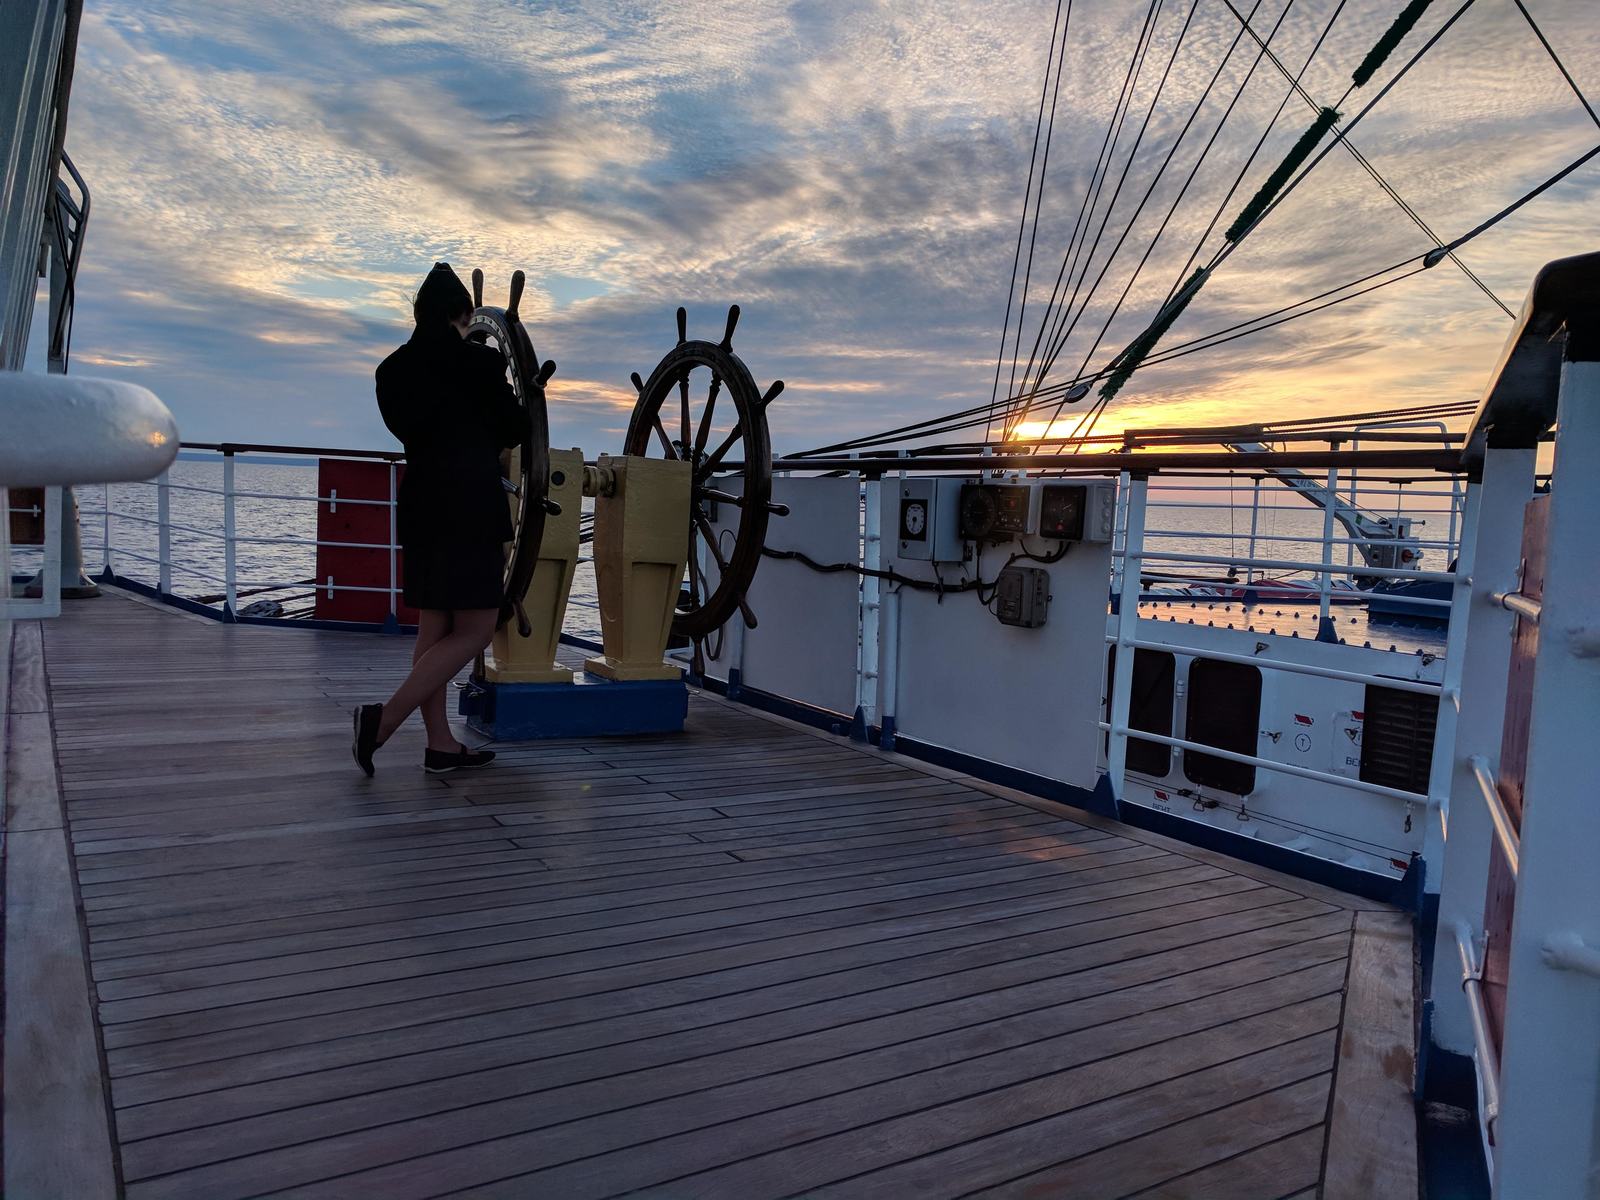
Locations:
{"points": [[751, 960]]}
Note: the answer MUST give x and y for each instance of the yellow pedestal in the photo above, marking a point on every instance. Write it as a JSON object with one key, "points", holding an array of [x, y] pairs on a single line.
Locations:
{"points": [[641, 545], [517, 659]]}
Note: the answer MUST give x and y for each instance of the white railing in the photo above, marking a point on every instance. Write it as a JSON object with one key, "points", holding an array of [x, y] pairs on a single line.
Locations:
{"points": [[1529, 932], [1131, 555], [143, 545]]}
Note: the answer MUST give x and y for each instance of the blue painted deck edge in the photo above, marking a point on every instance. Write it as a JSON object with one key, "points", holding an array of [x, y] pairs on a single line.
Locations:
{"points": [[226, 616], [1402, 892]]}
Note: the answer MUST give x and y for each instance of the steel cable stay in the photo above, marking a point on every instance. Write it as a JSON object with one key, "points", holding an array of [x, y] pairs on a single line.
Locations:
{"points": [[1038, 204], [1341, 136], [1244, 169], [953, 422], [1068, 394], [1285, 178], [1556, 58], [1194, 171], [1122, 179], [1022, 224], [968, 418], [1091, 195]]}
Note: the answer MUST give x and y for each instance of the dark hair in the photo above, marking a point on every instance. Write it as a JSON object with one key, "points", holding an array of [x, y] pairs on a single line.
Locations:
{"points": [[442, 298]]}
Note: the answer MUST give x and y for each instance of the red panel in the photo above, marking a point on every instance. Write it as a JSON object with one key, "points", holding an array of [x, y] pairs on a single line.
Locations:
{"points": [[27, 528], [346, 480], [1500, 902]]}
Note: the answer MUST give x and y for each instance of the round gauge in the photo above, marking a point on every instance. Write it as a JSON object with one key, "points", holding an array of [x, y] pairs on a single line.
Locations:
{"points": [[979, 512], [915, 518]]}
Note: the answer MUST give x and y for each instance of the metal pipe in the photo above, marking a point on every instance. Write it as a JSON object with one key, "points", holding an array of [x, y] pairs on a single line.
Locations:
{"points": [[229, 568], [1292, 565], [1510, 842], [1485, 1057], [1524, 606], [1267, 764], [1420, 686], [164, 533]]}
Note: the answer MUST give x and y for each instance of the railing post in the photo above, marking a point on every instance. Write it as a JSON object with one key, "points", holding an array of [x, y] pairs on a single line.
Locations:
{"points": [[1127, 629], [105, 527], [1325, 587], [1471, 718], [1255, 514], [1549, 1065], [164, 532], [867, 650], [394, 540], [229, 530], [1441, 768]]}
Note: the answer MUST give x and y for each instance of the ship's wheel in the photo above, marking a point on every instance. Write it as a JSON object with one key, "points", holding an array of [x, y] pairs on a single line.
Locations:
{"points": [[525, 469], [701, 404]]}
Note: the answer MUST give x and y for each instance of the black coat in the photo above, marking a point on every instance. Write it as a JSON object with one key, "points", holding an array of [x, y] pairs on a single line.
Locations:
{"points": [[449, 403]]}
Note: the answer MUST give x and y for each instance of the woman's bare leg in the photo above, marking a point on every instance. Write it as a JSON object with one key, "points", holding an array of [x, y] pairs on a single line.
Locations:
{"points": [[434, 624], [470, 631]]}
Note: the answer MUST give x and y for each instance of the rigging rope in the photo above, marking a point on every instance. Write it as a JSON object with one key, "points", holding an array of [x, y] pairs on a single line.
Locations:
{"points": [[1038, 204], [1183, 190], [1280, 183], [1122, 180], [1102, 171], [1022, 224], [1556, 58], [1361, 160]]}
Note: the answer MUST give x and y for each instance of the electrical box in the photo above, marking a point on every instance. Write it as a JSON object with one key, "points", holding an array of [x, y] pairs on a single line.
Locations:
{"points": [[929, 520], [997, 512], [1077, 512], [1022, 596]]}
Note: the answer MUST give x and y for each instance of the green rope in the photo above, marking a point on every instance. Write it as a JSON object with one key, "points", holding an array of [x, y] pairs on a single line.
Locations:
{"points": [[1128, 361], [1385, 45], [1301, 151]]}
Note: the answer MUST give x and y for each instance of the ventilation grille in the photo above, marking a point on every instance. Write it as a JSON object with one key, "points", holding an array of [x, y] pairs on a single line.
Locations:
{"points": [[1397, 738]]}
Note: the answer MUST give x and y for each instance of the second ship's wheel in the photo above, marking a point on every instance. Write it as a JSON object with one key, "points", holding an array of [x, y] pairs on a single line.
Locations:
{"points": [[701, 404], [526, 467]]}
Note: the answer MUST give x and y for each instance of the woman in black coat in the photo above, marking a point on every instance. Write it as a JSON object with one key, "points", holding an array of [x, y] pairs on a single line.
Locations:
{"points": [[448, 401]]}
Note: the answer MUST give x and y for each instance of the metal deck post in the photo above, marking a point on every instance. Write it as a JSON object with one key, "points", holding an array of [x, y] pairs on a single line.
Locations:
{"points": [[1325, 584], [1550, 1064], [1491, 549], [164, 532], [229, 573], [1127, 630]]}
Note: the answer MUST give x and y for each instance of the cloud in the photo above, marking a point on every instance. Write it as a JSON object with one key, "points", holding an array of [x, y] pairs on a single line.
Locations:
{"points": [[271, 181]]}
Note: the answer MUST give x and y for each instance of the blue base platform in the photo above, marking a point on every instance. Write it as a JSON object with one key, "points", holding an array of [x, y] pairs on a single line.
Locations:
{"points": [[587, 707]]}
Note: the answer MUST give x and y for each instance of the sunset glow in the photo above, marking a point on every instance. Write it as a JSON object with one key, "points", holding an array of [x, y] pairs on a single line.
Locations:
{"points": [[271, 182]]}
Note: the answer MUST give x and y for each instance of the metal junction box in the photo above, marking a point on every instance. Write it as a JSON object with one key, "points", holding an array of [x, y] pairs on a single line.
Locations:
{"points": [[998, 512], [1022, 596], [1077, 512], [929, 520]]}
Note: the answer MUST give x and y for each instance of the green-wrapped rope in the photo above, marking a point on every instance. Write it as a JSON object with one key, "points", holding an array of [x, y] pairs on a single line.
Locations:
{"points": [[1302, 149], [1128, 361], [1391, 38]]}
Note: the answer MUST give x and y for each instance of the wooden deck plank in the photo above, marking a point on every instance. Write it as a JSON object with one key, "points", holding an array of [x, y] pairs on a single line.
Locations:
{"points": [[1376, 1068], [460, 1144], [939, 1150], [1264, 1173], [576, 1020], [745, 960]]}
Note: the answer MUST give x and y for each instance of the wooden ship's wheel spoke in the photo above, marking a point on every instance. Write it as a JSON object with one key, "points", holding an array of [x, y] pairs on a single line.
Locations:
{"points": [[527, 466], [706, 603]]}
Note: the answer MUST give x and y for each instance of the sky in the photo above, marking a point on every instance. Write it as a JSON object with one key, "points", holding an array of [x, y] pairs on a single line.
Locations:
{"points": [[271, 181]]}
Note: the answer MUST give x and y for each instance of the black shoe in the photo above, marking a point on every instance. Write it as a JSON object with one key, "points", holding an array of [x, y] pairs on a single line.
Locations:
{"points": [[366, 719], [438, 762]]}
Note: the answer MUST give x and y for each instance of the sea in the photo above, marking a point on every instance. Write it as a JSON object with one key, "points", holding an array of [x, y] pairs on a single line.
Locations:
{"points": [[276, 518]]}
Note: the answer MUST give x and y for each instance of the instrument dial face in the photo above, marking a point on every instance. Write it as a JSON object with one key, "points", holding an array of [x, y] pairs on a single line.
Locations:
{"points": [[915, 518]]}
